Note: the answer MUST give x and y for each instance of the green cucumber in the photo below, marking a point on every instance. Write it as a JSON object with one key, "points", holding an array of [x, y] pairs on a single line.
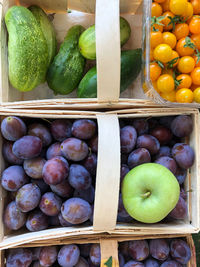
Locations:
{"points": [[47, 29], [66, 70], [27, 49], [131, 62], [87, 41]]}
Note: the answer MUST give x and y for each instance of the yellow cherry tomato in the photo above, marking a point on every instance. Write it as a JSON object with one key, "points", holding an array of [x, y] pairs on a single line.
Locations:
{"points": [[167, 20], [193, 87], [168, 71], [155, 71], [159, 1], [188, 13], [196, 39], [151, 55], [155, 87], [185, 81], [196, 6], [197, 64], [156, 10], [178, 7], [163, 53], [186, 64], [171, 96], [157, 28], [197, 95], [194, 25], [184, 95], [156, 38], [185, 49], [174, 59], [169, 38], [181, 30], [165, 83], [195, 75], [165, 5]]}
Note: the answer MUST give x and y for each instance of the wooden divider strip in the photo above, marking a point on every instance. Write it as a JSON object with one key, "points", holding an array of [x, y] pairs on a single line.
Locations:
{"points": [[108, 173], [109, 248], [108, 50]]}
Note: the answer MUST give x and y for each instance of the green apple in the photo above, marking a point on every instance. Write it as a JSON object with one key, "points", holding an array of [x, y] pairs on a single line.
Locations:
{"points": [[149, 192]]}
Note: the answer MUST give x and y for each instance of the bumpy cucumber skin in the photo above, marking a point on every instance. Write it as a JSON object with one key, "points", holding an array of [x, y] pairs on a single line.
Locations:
{"points": [[27, 49], [47, 29], [66, 70], [87, 41], [131, 62]]}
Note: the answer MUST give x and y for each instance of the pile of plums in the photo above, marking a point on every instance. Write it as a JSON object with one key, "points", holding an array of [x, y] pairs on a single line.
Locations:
{"points": [[85, 255], [50, 174], [154, 253], [160, 140]]}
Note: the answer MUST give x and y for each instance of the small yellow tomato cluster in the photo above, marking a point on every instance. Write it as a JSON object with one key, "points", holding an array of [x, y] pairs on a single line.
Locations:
{"points": [[174, 53]]}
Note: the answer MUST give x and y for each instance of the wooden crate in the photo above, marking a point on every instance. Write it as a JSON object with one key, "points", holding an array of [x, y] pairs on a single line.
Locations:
{"points": [[109, 246], [107, 180], [108, 56]]}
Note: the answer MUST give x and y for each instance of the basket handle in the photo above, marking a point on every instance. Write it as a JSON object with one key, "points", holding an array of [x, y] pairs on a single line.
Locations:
{"points": [[109, 253], [108, 173], [108, 50]]}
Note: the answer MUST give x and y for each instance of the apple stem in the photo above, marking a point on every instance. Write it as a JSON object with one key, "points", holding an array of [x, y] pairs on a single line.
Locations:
{"points": [[147, 194]]}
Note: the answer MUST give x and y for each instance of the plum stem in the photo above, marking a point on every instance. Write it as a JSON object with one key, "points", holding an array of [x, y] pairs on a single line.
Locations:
{"points": [[145, 195]]}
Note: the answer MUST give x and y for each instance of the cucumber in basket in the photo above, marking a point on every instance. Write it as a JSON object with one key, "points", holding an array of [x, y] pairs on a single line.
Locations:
{"points": [[87, 41], [47, 29], [66, 70], [27, 49], [131, 62]]}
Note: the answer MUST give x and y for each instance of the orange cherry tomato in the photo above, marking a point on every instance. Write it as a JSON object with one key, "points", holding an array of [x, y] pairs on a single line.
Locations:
{"points": [[197, 95], [155, 87], [196, 39], [169, 38], [194, 25], [165, 5], [167, 20], [181, 30], [185, 81], [196, 6], [157, 28], [165, 83], [163, 53], [182, 50], [197, 64], [155, 71], [151, 55], [174, 61], [171, 96], [156, 10], [156, 39], [186, 64], [188, 13], [193, 87], [195, 75], [178, 7], [168, 71], [184, 95], [159, 1]]}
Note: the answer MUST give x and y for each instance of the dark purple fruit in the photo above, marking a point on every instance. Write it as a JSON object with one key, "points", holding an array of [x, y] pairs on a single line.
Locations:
{"points": [[34, 167], [149, 142], [138, 156], [90, 163], [181, 175], [13, 128], [151, 263], [159, 249], [13, 218], [141, 126], [54, 221], [63, 222], [28, 197], [50, 204], [171, 263], [36, 253], [79, 178], [84, 129], [138, 250], [27, 147], [180, 211], [182, 126], [48, 255], [95, 254], [121, 260], [41, 131], [41, 184], [53, 151], [121, 210], [63, 189], [128, 137], [134, 264], [68, 255], [184, 155], [82, 263], [76, 210], [93, 144], [162, 133], [74, 149], [61, 129], [8, 154], [19, 257], [87, 194], [36, 221], [85, 250], [55, 170], [168, 162], [164, 151], [13, 178], [180, 251]]}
